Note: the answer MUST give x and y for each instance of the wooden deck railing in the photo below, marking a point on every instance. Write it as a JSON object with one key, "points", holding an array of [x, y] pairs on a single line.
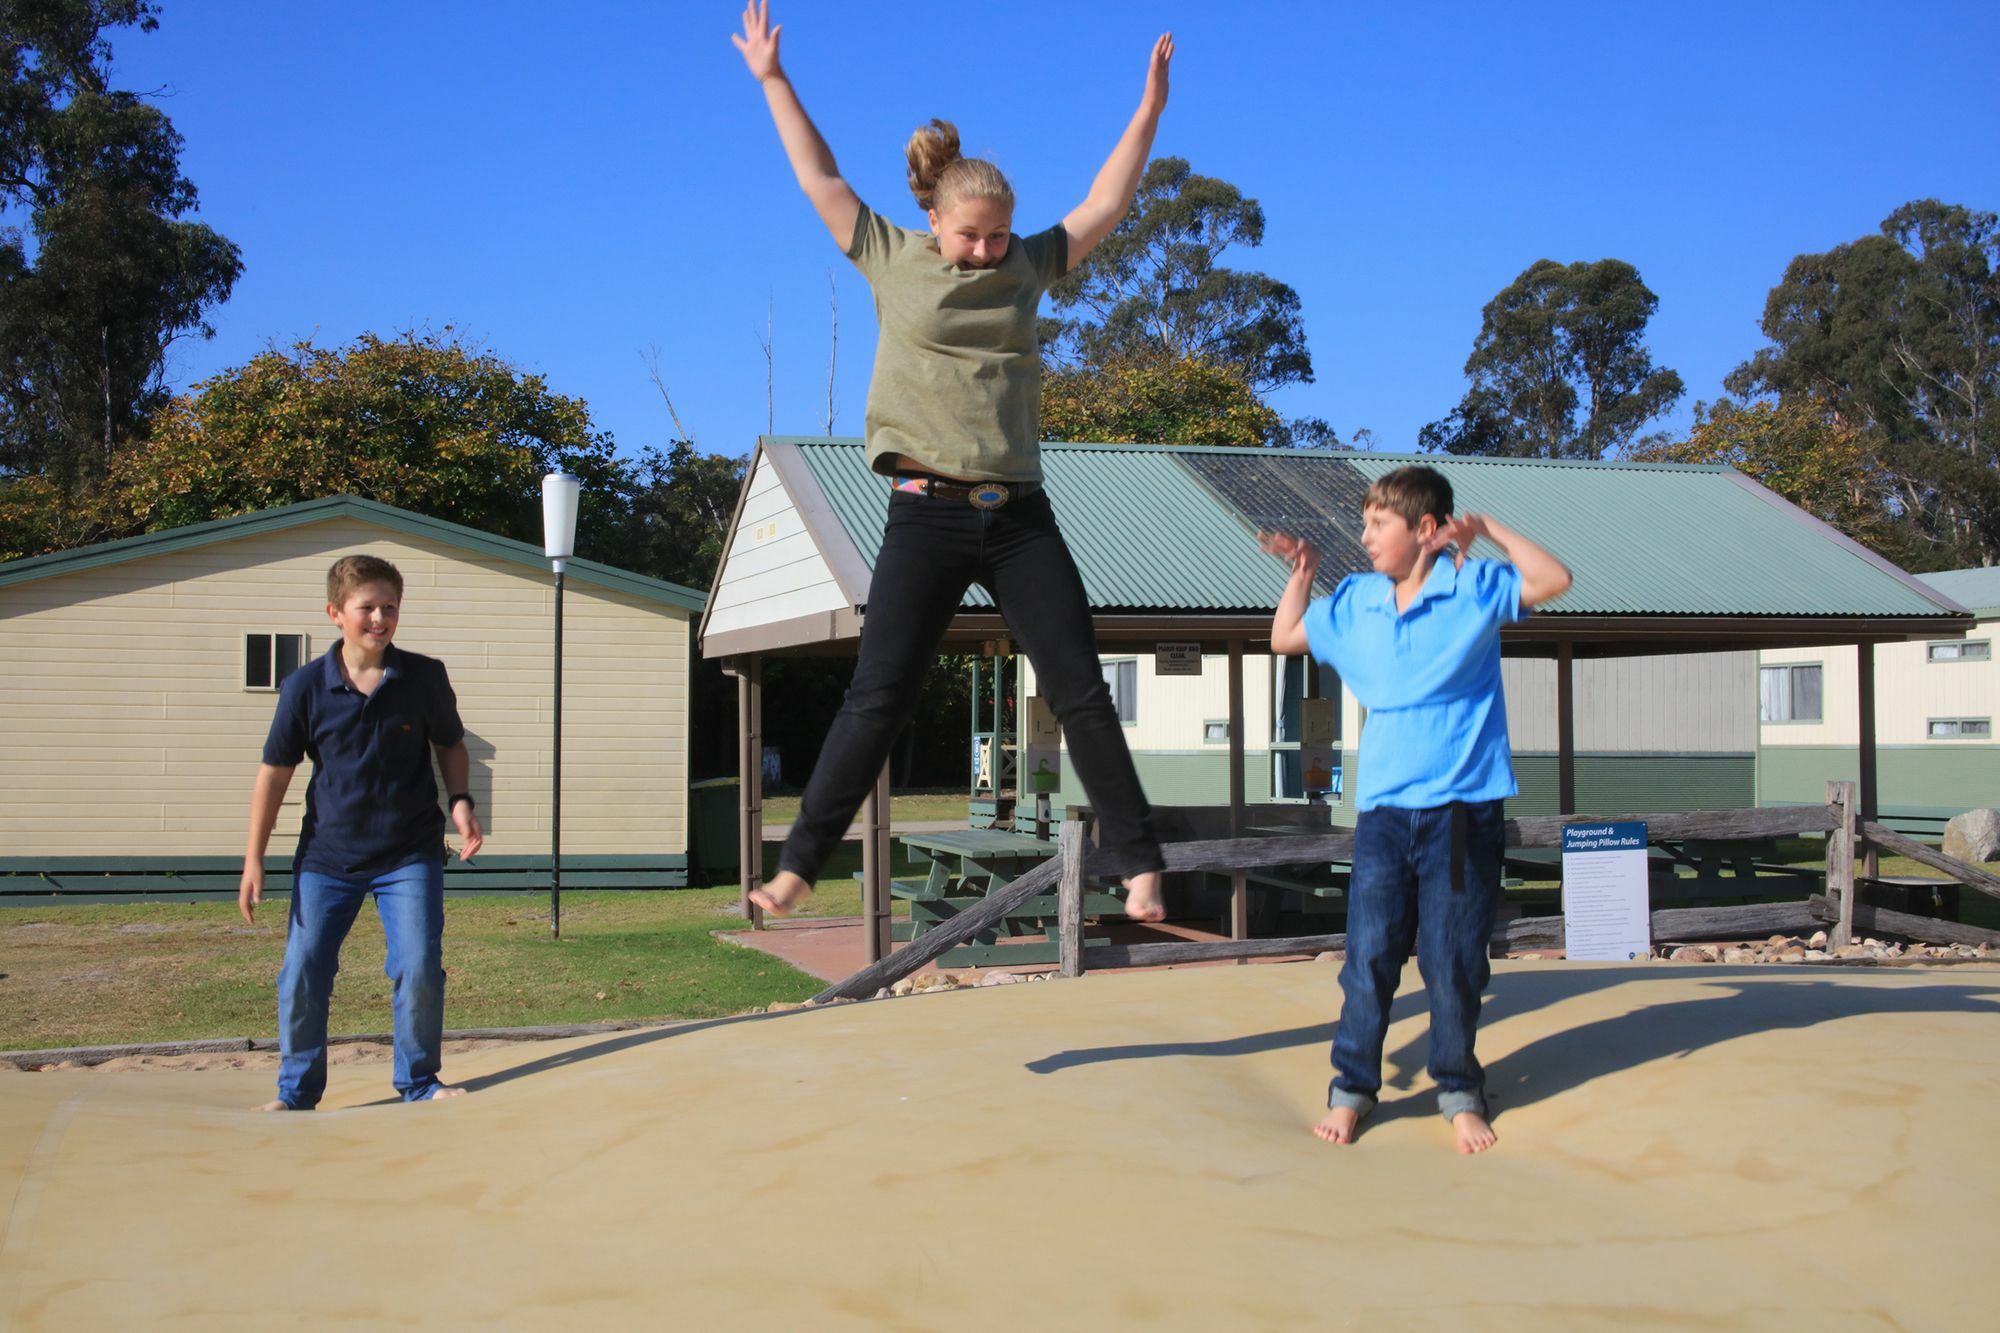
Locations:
{"points": [[1837, 910]]}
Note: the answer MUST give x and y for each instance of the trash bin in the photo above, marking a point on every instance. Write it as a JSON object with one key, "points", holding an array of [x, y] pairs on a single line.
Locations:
{"points": [[714, 822]]}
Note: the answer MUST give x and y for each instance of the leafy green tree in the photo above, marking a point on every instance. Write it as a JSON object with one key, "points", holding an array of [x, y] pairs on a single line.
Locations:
{"points": [[107, 272], [1156, 288], [421, 422], [1155, 400], [1560, 368], [1898, 335], [676, 509], [1800, 451]]}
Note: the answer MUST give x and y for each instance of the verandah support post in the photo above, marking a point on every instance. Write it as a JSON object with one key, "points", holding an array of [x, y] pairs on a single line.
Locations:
{"points": [[750, 783], [1069, 898], [1864, 676], [1840, 861], [1239, 882], [1565, 728], [875, 867]]}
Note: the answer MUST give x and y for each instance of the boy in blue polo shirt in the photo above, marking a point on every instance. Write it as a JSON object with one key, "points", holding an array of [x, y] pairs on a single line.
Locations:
{"points": [[368, 715], [1418, 642]]}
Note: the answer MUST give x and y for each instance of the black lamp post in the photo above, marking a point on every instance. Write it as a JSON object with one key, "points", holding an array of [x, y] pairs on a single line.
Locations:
{"points": [[559, 496]]}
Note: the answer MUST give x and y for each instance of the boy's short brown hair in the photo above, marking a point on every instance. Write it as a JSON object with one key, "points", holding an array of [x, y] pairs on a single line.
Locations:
{"points": [[1412, 492], [351, 571]]}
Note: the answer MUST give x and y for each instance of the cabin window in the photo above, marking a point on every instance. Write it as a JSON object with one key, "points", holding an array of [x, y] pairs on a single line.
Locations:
{"points": [[1961, 729], [269, 658], [1122, 677], [1964, 650], [1789, 693]]}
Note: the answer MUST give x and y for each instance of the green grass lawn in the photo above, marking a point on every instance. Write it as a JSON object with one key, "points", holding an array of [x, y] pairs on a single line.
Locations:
{"points": [[92, 975]]}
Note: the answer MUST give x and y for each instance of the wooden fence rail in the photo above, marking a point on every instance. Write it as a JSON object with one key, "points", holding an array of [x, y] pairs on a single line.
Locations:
{"points": [[1837, 908]]}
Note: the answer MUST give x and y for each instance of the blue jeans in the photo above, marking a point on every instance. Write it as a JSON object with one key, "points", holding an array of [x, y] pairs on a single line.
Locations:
{"points": [[1429, 878], [410, 901], [933, 549]]}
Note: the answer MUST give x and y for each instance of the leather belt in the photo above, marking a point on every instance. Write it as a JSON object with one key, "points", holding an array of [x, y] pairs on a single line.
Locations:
{"points": [[978, 494]]}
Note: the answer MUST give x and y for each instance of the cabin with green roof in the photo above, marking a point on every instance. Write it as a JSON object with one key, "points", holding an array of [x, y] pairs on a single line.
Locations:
{"points": [[138, 679]]}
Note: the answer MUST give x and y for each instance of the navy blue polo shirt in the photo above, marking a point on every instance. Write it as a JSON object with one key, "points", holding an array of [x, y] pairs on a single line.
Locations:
{"points": [[1429, 676], [373, 803]]}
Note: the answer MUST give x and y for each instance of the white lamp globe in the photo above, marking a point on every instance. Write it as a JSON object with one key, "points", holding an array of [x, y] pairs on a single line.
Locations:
{"points": [[559, 496]]}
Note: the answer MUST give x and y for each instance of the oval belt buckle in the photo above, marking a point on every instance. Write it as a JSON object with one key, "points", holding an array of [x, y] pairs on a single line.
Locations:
{"points": [[988, 495]]}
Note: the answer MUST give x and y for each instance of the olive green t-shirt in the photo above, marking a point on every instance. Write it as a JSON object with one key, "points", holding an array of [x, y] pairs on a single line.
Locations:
{"points": [[958, 366]]}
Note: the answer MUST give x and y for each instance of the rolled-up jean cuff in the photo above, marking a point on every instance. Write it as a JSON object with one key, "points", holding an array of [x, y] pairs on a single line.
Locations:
{"points": [[1457, 1103], [1117, 865], [1358, 1102]]}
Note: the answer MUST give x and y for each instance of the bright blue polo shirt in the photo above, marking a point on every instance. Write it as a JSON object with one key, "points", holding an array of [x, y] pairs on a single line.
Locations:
{"points": [[372, 805], [1429, 678]]}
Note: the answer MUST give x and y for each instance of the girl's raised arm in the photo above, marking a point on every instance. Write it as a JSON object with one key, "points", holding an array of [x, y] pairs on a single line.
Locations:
{"points": [[1118, 179], [812, 161]]}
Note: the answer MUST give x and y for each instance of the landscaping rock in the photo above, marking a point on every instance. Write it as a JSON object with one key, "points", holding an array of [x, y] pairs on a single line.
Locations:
{"points": [[999, 979], [1973, 836], [1818, 940]]}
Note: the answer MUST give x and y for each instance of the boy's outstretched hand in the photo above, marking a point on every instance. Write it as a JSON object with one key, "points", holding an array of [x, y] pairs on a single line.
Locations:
{"points": [[759, 42], [1461, 529], [1297, 552]]}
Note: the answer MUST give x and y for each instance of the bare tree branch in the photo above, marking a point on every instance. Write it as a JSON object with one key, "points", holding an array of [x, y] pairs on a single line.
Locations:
{"points": [[764, 341], [651, 357], [832, 344]]}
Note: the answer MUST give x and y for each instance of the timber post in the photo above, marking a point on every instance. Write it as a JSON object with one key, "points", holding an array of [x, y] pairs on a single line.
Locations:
{"points": [[1069, 897], [1840, 886]]}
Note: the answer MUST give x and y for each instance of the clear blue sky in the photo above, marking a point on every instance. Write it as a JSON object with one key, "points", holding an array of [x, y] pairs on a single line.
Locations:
{"points": [[572, 185]]}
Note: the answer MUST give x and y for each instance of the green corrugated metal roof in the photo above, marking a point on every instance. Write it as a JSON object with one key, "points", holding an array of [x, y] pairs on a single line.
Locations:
{"points": [[466, 539], [1667, 539], [1977, 590], [1145, 533], [1168, 528]]}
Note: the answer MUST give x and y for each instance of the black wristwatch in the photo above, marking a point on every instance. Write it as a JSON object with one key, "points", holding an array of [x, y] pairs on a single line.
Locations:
{"points": [[458, 796]]}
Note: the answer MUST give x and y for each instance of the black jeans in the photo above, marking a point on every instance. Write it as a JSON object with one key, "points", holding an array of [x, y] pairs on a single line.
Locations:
{"points": [[932, 551]]}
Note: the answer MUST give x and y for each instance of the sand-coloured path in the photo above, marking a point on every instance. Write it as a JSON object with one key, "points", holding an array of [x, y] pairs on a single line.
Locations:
{"points": [[1683, 1147]]}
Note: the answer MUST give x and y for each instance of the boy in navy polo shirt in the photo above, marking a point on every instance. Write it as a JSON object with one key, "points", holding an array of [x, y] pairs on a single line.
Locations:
{"points": [[368, 715], [1418, 642]]}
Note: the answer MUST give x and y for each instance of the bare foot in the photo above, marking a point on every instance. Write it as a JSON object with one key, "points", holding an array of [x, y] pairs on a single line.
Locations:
{"points": [[1339, 1125], [274, 1104], [1472, 1131], [1142, 897], [443, 1090], [782, 895]]}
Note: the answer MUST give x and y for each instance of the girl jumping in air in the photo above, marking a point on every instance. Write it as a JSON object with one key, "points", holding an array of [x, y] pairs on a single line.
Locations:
{"points": [[953, 420]]}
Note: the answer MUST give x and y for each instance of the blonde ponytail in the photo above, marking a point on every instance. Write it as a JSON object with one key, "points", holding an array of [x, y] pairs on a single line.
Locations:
{"points": [[940, 176]]}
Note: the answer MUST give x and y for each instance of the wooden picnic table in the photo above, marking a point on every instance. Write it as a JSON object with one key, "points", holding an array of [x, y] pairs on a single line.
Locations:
{"points": [[961, 866]]}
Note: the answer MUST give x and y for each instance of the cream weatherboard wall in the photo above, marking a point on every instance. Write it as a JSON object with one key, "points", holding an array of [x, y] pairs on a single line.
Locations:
{"points": [[129, 731], [773, 571], [1917, 773], [1671, 732]]}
